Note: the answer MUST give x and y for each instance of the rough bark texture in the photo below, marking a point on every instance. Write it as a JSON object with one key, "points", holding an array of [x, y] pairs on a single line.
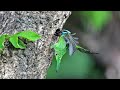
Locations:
{"points": [[32, 62]]}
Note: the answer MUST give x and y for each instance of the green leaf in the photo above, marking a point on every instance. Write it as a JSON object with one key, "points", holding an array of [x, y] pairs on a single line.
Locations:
{"points": [[2, 40], [7, 36], [21, 44], [16, 42], [60, 50], [96, 18], [30, 35]]}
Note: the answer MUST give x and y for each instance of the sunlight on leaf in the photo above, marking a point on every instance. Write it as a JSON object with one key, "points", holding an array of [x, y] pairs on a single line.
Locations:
{"points": [[16, 42], [2, 40], [96, 18], [30, 35]]}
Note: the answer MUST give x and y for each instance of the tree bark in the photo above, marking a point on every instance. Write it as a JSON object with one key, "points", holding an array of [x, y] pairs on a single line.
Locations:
{"points": [[33, 62]]}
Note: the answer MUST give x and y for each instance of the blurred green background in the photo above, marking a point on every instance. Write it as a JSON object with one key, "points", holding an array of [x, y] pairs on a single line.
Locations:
{"points": [[81, 65]]}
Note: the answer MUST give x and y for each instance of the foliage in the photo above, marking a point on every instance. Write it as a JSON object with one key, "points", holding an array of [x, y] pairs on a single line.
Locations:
{"points": [[96, 18], [15, 39], [2, 40]]}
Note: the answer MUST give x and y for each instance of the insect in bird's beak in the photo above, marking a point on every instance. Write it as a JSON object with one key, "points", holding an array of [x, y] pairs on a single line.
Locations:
{"points": [[70, 40]]}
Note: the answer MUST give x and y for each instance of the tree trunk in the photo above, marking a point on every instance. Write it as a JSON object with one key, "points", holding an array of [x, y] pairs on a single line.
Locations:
{"points": [[32, 62]]}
